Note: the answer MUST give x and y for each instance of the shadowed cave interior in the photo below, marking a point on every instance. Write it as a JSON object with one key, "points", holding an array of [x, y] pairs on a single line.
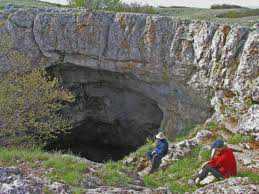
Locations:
{"points": [[110, 120]]}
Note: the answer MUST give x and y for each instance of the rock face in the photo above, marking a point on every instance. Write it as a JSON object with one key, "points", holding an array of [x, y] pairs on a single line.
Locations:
{"points": [[178, 65]]}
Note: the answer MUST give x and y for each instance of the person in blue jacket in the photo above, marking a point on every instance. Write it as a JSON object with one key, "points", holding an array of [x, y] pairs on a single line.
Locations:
{"points": [[159, 152]]}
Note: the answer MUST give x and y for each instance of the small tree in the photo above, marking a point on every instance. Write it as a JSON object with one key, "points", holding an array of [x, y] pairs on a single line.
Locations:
{"points": [[30, 103], [96, 4]]}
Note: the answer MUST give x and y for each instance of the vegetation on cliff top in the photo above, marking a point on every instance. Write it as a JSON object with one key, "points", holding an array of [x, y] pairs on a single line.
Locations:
{"points": [[229, 15], [114, 6]]}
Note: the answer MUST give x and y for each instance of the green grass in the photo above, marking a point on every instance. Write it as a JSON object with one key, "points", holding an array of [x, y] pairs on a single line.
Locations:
{"points": [[239, 138], [187, 132], [150, 144], [177, 175], [243, 16], [240, 13], [27, 4], [113, 173], [66, 168], [254, 177]]}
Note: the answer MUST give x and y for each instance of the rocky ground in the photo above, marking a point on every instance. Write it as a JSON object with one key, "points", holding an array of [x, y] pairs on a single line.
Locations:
{"points": [[197, 64], [13, 180], [24, 179]]}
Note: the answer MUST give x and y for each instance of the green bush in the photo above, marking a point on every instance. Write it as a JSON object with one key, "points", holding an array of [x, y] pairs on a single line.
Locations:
{"points": [[239, 138], [135, 8], [30, 103], [95, 4], [77, 3], [113, 5]]}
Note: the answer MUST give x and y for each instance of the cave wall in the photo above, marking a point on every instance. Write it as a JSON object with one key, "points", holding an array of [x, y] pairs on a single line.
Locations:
{"points": [[184, 66]]}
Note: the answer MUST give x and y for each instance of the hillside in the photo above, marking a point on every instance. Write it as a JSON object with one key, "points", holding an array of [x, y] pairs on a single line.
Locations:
{"points": [[83, 94], [27, 3], [242, 16]]}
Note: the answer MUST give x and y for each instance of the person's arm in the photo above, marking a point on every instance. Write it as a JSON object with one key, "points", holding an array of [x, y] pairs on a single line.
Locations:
{"points": [[216, 161], [160, 148]]}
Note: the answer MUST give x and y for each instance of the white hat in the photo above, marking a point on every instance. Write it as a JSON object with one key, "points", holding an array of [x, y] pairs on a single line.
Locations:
{"points": [[160, 135]]}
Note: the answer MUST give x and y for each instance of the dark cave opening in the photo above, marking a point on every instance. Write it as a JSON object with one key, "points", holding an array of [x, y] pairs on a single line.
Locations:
{"points": [[109, 120], [94, 140]]}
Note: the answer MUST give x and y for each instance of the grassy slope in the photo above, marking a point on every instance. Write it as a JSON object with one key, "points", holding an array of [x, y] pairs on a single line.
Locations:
{"points": [[27, 3], [212, 15], [66, 168], [176, 176], [70, 170]]}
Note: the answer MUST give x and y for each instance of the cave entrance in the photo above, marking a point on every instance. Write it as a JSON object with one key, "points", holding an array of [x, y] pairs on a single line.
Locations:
{"points": [[110, 120]]}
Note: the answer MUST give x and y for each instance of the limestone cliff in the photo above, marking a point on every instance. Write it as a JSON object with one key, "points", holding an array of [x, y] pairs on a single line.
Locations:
{"points": [[184, 66]]}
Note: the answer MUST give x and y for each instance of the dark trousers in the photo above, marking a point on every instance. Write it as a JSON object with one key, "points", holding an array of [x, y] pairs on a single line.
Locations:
{"points": [[205, 171], [155, 160]]}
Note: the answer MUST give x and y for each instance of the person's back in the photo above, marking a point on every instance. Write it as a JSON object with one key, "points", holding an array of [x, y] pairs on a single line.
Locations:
{"points": [[225, 162], [161, 148]]}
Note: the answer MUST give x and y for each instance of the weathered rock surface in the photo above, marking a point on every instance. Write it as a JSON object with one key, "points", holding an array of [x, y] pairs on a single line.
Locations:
{"points": [[138, 190], [13, 181], [236, 185], [184, 63]]}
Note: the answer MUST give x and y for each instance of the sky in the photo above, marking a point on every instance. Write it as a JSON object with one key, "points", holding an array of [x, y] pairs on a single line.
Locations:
{"points": [[190, 3]]}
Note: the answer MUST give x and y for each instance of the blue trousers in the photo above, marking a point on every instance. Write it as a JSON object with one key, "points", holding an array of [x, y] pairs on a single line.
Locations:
{"points": [[155, 159]]}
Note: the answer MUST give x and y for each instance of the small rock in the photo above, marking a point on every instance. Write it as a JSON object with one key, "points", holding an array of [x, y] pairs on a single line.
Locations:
{"points": [[203, 135], [129, 160], [247, 161], [191, 182], [91, 182], [9, 8]]}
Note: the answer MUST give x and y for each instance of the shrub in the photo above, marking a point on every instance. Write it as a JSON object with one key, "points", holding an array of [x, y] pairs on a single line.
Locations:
{"points": [[95, 4], [239, 138], [134, 7], [30, 103], [113, 5], [77, 3]]}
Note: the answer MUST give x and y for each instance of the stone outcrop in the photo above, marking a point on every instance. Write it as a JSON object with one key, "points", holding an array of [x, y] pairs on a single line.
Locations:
{"points": [[12, 180], [236, 185], [183, 66]]}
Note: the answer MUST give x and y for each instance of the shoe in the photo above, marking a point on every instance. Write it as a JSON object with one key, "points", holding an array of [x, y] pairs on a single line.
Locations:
{"points": [[209, 179], [197, 180]]}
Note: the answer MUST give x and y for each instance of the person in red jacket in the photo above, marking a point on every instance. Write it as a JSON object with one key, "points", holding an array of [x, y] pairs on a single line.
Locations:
{"points": [[222, 164]]}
